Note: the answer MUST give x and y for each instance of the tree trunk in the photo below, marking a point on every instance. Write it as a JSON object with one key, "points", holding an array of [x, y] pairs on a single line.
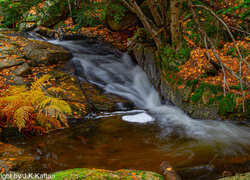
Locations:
{"points": [[145, 23], [175, 7]]}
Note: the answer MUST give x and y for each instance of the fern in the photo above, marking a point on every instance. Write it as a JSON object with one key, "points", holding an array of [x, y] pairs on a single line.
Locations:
{"points": [[55, 102], [35, 107], [22, 115], [38, 84]]}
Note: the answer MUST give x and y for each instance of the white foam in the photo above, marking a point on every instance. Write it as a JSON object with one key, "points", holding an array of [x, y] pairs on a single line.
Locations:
{"points": [[139, 118]]}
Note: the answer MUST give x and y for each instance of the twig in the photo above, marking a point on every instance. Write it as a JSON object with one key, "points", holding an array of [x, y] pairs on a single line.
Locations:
{"points": [[93, 108], [237, 48], [201, 30], [230, 33], [236, 29]]}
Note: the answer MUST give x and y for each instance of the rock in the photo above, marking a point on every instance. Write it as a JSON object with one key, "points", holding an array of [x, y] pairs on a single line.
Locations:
{"points": [[9, 48], [43, 31], [169, 90], [124, 22], [11, 157], [22, 70], [18, 80], [245, 176], [168, 171], [75, 95], [40, 52], [10, 62], [85, 173], [53, 12]]}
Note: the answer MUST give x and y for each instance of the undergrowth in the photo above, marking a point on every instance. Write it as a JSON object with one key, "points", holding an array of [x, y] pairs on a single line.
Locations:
{"points": [[34, 109]]}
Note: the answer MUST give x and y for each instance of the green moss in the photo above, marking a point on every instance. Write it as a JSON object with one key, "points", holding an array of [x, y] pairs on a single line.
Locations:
{"points": [[227, 104], [172, 59], [201, 89], [84, 173], [198, 94], [233, 52]]}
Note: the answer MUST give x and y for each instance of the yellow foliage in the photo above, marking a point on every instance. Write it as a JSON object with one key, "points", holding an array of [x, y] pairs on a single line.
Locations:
{"points": [[19, 104], [22, 115]]}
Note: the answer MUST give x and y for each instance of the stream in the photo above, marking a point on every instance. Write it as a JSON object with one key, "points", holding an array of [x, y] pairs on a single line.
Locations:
{"points": [[141, 138]]}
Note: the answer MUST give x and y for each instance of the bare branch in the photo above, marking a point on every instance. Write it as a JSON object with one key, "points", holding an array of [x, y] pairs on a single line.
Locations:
{"points": [[146, 23], [217, 8], [201, 30], [230, 33], [154, 12]]}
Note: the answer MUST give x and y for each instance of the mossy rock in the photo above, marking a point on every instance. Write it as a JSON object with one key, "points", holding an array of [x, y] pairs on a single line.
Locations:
{"points": [[245, 176], [84, 173]]}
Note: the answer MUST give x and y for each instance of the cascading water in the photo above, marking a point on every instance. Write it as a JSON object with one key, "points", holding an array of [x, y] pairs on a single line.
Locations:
{"points": [[117, 74], [199, 149]]}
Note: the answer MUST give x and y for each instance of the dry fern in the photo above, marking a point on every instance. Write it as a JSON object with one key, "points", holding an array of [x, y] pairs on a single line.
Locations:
{"points": [[22, 115], [24, 106]]}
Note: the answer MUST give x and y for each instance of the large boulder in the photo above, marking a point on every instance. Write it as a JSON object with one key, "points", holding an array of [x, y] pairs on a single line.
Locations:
{"points": [[126, 21], [53, 12], [85, 173], [40, 52], [119, 23]]}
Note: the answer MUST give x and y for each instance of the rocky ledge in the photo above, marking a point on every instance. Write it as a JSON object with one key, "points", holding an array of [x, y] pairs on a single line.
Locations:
{"points": [[180, 94]]}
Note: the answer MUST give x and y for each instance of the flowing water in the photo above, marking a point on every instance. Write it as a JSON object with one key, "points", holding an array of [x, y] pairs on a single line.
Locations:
{"points": [[142, 138]]}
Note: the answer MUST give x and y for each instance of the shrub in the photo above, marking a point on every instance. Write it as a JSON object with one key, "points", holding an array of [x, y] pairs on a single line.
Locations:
{"points": [[31, 109]]}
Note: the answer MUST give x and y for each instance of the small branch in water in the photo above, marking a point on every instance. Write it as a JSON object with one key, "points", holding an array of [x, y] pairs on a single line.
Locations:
{"points": [[93, 108]]}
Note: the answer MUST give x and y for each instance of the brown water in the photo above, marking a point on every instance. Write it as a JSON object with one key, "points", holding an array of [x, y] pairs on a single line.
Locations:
{"points": [[111, 143]]}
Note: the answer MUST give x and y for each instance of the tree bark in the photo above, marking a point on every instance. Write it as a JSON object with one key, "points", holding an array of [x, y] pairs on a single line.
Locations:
{"points": [[154, 12], [137, 10], [175, 7]]}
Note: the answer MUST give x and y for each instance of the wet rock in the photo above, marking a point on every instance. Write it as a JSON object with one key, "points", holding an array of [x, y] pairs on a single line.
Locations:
{"points": [[238, 177], [88, 95], [16, 80], [10, 62], [39, 52], [22, 70], [169, 90], [168, 171], [43, 31], [85, 173], [11, 157]]}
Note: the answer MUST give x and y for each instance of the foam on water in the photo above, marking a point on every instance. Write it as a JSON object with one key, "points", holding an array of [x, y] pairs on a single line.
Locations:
{"points": [[139, 118]]}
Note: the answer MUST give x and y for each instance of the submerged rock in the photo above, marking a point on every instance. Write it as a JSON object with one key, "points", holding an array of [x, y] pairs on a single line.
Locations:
{"points": [[245, 176], [85, 173], [11, 157]]}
